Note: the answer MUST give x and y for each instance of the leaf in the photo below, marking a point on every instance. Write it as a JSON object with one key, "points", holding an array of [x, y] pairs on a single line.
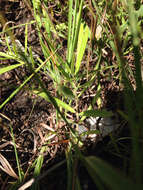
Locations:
{"points": [[7, 56], [58, 101], [39, 162], [82, 41], [9, 68], [109, 176], [96, 113], [139, 12], [64, 105], [66, 91]]}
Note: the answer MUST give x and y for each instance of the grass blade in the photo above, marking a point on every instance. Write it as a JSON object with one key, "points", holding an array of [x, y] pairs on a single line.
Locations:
{"points": [[109, 176], [82, 41], [59, 102], [16, 155], [96, 113], [9, 68]]}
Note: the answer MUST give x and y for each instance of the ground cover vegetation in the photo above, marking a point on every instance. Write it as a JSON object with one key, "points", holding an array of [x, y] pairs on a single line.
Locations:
{"points": [[62, 62]]}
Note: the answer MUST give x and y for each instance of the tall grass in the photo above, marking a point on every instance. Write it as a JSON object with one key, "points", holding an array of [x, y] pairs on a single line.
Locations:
{"points": [[116, 24]]}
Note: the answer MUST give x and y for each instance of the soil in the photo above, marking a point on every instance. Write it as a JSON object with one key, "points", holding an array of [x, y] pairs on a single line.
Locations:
{"points": [[28, 114]]}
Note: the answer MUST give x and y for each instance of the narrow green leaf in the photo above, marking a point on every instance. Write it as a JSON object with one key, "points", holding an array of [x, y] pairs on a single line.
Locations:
{"points": [[9, 68], [58, 101], [64, 105], [69, 159], [49, 26], [26, 38], [133, 22], [66, 91], [82, 41], [73, 30], [69, 29], [7, 56], [39, 162], [96, 113], [78, 185], [110, 177], [16, 155]]}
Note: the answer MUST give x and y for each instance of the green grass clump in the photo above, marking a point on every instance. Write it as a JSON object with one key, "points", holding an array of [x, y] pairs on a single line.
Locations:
{"points": [[115, 26]]}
